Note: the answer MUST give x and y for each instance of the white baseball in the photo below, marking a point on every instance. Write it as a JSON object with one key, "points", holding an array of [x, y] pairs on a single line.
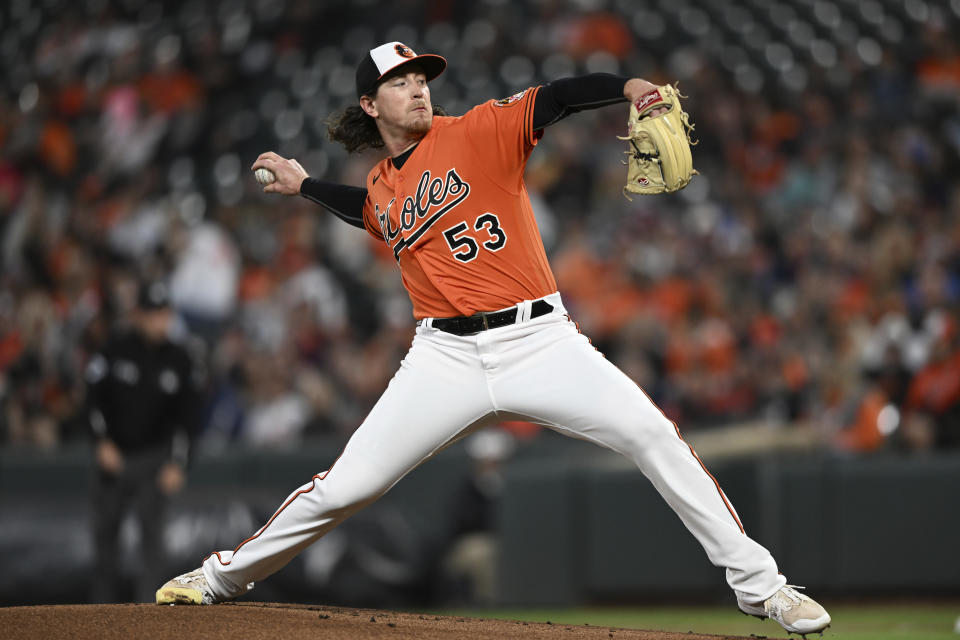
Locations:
{"points": [[265, 176]]}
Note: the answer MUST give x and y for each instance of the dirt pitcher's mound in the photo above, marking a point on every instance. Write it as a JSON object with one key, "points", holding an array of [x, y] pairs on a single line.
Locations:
{"points": [[289, 622]]}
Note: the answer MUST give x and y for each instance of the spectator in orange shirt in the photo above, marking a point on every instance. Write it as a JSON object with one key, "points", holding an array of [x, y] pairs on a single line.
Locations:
{"points": [[933, 400]]}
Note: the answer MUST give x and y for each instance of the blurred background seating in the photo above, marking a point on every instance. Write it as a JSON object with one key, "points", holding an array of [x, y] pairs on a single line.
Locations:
{"points": [[808, 275]]}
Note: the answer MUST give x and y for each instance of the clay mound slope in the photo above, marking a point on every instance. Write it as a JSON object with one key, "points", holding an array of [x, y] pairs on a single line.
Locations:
{"points": [[253, 620]]}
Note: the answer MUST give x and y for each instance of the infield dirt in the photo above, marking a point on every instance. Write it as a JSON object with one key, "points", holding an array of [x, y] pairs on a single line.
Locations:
{"points": [[289, 622]]}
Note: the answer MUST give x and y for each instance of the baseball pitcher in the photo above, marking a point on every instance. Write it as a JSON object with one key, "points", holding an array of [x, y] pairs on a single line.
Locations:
{"points": [[493, 340]]}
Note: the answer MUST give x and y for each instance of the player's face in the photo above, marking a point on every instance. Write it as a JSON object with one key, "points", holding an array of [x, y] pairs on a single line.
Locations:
{"points": [[403, 103]]}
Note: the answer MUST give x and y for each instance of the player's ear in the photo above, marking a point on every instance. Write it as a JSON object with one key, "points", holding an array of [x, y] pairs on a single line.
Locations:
{"points": [[368, 106]]}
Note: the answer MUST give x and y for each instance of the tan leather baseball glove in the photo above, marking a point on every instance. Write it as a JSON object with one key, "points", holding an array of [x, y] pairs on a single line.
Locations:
{"points": [[659, 159]]}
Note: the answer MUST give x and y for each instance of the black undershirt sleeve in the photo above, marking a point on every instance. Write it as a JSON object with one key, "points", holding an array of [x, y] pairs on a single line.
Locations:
{"points": [[341, 200], [558, 99]]}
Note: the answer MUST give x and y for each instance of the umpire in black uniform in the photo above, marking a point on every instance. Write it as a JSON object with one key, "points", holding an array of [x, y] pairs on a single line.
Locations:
{"points": [[143, 394]]}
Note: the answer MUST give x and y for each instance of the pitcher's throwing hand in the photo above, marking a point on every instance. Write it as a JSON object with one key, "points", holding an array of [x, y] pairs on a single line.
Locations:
{"points": [[288, 173]]}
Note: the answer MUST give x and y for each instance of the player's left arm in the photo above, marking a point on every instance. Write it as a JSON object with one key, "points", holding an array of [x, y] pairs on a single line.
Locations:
{"points": [[558, 99]]}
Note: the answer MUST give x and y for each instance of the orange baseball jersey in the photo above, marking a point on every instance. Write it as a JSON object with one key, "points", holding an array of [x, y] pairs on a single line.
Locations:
{"points": [[457, 215]]}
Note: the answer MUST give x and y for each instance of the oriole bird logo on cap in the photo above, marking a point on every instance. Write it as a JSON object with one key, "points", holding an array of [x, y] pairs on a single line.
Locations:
{"points": [[404, 50]]}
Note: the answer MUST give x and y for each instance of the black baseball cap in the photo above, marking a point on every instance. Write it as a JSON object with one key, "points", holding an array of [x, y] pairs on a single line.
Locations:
{"points": [[153, 295], [382, 60]]}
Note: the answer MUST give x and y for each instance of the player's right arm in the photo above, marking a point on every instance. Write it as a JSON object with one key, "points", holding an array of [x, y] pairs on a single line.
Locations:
{"points": [[341, 200]]}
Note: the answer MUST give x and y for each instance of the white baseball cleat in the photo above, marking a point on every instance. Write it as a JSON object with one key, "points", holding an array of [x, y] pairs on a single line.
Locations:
{"points": [[189, 588], [794, 611]]}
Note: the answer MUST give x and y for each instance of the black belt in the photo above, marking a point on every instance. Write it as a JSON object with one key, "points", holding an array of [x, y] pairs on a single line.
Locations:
{"points": [[467, 325]]}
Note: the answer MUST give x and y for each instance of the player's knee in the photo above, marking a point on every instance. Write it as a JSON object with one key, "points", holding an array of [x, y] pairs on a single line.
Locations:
{"points": [[651, 430], [340, 498]]}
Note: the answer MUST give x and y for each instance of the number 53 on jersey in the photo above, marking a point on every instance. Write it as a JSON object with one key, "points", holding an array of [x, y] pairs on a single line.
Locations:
{"points": [[465, 243]]}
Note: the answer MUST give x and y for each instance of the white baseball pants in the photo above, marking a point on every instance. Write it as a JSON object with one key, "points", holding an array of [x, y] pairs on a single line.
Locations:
{"points": [[542, 370]]}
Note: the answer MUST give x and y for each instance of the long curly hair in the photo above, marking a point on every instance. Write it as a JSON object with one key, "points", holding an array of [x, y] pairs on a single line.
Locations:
{"points": [[356, 130]]}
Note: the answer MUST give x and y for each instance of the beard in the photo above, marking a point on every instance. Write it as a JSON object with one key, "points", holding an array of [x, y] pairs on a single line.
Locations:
{"points": [[420, 124]]}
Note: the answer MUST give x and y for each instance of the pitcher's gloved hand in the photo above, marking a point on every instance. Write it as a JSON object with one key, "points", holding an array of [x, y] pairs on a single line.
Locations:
{"points": [[659, 159]]}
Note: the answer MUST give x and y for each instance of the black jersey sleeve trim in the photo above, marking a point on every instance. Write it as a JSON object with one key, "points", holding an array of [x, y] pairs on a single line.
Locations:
{"points": [[558, 99], [341, 200]]}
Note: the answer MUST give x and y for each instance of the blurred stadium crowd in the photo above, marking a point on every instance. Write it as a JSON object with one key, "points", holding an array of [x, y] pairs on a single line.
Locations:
{"points": [[809, 275]]}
